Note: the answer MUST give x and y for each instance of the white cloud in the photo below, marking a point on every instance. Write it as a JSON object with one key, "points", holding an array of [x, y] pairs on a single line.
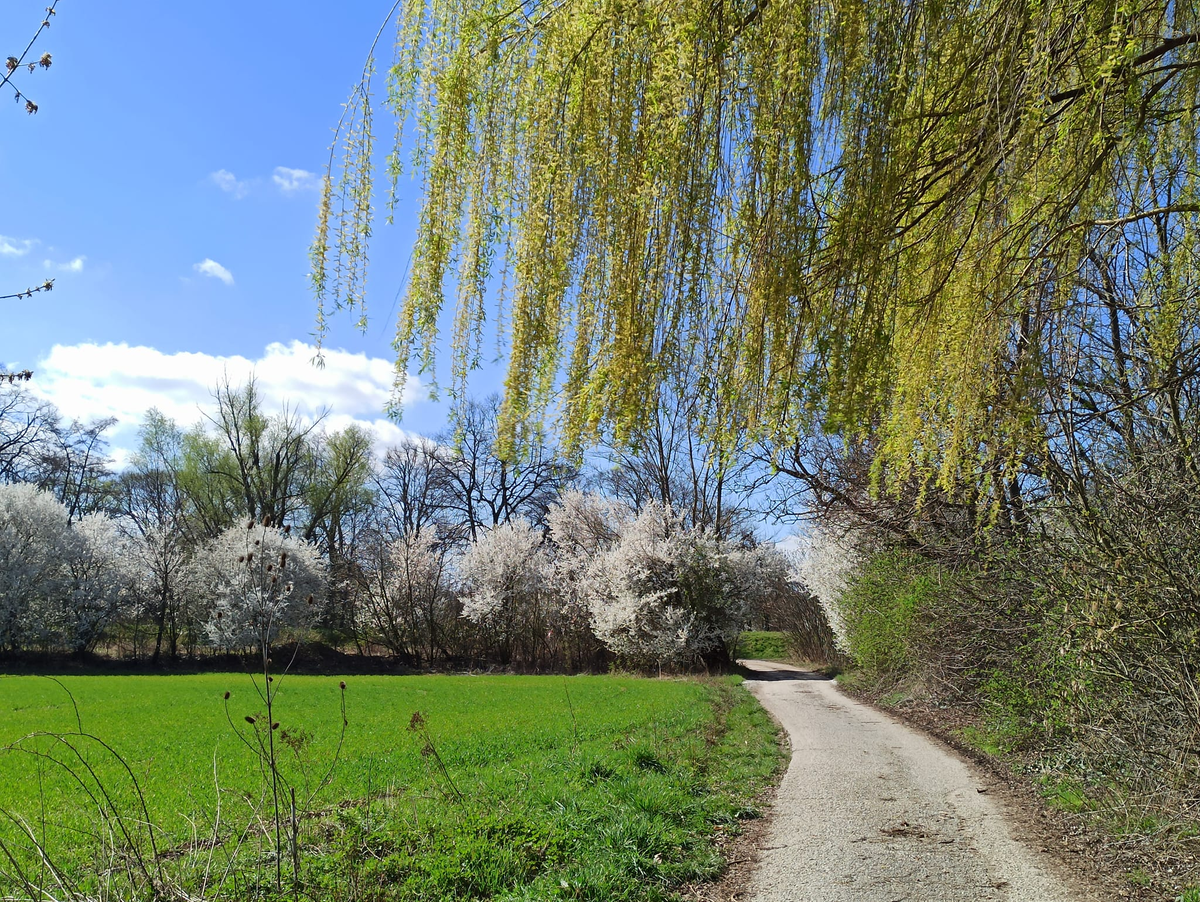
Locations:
{"points": [[75, 265], [212, 268], [229, 183], [90, 381], [15, 247], [290, 180]]}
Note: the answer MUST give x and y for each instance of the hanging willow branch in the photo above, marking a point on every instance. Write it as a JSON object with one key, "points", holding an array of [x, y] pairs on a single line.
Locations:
{"points": [[847, 209]]}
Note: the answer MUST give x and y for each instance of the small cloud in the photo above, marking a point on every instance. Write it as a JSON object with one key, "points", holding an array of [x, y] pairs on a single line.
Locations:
{"points": [[212, 268], [75, 265], [15, 247], [290, 180], [228, 182]]}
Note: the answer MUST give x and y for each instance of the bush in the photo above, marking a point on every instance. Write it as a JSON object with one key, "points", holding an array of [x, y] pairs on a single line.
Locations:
{"points": [[882, 608]]}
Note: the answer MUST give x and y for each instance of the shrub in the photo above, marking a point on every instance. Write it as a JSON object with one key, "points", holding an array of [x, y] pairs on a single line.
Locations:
{"points": [[663, 594], [260, 580], [506, 587], [405, 594], [882, 608]]}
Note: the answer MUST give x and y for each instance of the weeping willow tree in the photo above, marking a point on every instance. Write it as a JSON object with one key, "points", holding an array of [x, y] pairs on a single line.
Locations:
{"points": [[866, 214]]}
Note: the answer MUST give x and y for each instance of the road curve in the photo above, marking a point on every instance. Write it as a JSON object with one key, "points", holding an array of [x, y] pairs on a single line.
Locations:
{"points": [[872, 811]]}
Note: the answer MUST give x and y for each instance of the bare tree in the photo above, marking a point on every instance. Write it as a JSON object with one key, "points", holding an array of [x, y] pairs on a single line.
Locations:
{"points": [[481, 489]]}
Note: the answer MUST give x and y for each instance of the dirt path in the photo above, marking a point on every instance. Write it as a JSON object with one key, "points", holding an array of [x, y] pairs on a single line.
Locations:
{"points": [[871, 811]]}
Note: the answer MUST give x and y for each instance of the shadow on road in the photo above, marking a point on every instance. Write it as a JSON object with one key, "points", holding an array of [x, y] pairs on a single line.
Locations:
{"points": [[773, 672]]}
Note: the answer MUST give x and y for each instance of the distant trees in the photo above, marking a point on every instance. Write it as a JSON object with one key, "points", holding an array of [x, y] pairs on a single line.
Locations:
{"points": [[443, 550]]}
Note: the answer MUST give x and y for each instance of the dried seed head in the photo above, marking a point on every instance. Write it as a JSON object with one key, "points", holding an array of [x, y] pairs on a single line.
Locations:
{"points": [[270, 567], [250, 525], [270, 679], [416, 721], [342, 685], [310, 598], [226, 695], [241, 558], [220, 614], [249, 719], [275, 726]]}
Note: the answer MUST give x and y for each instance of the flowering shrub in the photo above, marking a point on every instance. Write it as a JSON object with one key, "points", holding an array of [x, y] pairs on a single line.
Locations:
{"points": [[100, 578], [663, 594], [825, 565], [404, 593], [505, 580], [60, 586], [35, 544], [259, 580]]}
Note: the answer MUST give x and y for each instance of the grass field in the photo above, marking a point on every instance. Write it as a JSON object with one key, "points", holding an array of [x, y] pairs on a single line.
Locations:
{"points": [[763, 646], [508, 787]]}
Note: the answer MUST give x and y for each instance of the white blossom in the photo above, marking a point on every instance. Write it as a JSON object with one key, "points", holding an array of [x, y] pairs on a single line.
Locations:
{"points": [[825, 565], [259, 580], [101, 577], [504, 573], [665, 594], [36, 542]]}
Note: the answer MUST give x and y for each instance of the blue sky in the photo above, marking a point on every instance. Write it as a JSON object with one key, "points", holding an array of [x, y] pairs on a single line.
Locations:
{"points": [[168, 185]]}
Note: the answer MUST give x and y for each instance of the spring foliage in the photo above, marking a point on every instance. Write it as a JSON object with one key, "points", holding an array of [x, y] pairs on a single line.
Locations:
{"points": [[871, 213]]}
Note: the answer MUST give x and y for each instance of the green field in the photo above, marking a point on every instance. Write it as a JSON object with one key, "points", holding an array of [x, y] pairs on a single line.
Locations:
{"points": [[513, 788], [763, 646]]}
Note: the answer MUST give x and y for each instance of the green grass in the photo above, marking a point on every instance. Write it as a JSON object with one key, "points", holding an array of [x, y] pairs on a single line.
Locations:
{"points": [[763, 646], [1065, 794], [580, 787]]}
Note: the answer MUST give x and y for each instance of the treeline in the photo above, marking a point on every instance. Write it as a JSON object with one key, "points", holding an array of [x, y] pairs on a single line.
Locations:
{"points": [[254, 526]]}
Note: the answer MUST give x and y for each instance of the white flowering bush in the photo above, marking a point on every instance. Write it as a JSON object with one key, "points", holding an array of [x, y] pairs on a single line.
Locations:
{"points": [[101, 577], [404, 595], [825, 564], [505, 581], [60, 585], [259, 580], [663, 594], [36, 544]]}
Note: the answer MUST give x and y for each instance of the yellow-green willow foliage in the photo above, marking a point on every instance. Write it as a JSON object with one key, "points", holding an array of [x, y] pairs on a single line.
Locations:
{"points": [[867, 213]]}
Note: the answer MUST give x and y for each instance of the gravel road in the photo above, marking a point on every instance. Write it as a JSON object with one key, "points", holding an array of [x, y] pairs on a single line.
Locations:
{"points": [[871, 811]]}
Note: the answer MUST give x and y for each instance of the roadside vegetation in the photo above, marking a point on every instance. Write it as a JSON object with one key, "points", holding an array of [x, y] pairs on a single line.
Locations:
{"points": [[433, 788]]}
